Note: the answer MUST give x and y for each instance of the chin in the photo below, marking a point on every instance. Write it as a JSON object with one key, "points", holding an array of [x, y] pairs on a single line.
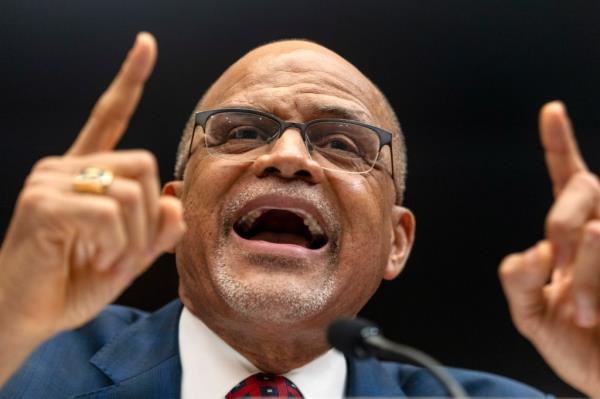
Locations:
{"points": [[273, 289]]}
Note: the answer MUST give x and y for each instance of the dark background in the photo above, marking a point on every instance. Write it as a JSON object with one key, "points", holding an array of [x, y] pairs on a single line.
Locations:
{"points": [[467, 79]]}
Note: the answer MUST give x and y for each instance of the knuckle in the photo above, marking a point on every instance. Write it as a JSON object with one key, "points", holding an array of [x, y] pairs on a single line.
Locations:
{"points": [[131, 194], [147, 161], [107, 114], [508, 267], [33, 199], [101, 105], [107, 212], [102, 110], [586, 180], [591, 233], [43, 178], [557, 225], [35, 178], [46, 163]]}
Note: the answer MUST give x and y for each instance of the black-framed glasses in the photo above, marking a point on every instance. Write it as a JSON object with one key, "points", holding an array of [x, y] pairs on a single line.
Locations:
{"points": [[243, 135]]}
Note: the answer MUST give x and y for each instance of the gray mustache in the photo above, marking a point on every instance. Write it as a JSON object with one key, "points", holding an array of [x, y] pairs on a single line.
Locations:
{"points": [[292, 189]]}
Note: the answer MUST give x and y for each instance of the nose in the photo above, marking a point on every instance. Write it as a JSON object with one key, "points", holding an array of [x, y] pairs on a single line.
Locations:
{"points": [[288, 158]]}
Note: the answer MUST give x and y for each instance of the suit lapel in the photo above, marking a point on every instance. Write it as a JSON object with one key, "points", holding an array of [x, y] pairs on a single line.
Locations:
{"points": [[368, 378], [143, 360]]}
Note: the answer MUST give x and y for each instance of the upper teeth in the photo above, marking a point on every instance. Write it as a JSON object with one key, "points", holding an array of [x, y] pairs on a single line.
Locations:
{"points": [[313, 226]]}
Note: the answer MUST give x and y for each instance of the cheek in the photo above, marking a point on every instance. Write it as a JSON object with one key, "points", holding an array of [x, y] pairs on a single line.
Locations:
{"points": [[359, 275], [205, 186], [365, 244], [365, 204]]}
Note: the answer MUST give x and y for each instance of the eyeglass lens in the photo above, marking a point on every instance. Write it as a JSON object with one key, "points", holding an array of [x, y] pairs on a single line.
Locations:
{"points": [[243, 137]]}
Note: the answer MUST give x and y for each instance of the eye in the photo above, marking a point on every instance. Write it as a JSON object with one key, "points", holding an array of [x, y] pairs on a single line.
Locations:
{"points": [[339, 143], [245, 133]]}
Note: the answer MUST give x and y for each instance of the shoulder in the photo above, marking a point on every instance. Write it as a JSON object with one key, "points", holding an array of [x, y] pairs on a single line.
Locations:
{"points": [[416, 381], [62, 364], [97, 332], [110, 321]]}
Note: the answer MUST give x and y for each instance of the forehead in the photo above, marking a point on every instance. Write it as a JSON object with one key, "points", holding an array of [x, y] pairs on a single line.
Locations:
{"points": [[300, 83]]}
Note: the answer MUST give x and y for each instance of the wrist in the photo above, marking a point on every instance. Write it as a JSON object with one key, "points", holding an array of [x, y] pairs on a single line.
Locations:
{"points": [[17, 341], [16, 328]]}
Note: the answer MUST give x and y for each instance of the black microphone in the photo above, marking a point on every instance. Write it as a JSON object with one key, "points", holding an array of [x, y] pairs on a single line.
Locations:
{"points": [[360, 338]]}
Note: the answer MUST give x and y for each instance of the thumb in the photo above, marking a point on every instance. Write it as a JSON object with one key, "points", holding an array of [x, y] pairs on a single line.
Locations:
{"points": [[171, 227], [523, 277]]}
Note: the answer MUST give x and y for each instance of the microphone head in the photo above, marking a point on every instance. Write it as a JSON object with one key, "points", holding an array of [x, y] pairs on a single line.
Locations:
{"points": [[348, 336]]}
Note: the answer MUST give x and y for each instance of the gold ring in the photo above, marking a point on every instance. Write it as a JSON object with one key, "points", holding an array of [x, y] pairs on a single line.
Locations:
{"points": [[93, 180]]}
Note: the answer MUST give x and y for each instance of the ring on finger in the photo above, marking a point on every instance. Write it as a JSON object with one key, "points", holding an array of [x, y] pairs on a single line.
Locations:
{"points": [[93, 180]]}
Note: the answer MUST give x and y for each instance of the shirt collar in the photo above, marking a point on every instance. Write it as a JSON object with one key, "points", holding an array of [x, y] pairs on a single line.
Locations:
{"points": [[210, 367]]}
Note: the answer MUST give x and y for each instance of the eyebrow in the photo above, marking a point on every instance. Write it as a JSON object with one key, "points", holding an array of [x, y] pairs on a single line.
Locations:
{"points": [[337, 111], [326, 110]]}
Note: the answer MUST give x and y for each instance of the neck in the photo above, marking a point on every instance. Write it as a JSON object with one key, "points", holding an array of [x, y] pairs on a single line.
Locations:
{"points": [[274, 348]]}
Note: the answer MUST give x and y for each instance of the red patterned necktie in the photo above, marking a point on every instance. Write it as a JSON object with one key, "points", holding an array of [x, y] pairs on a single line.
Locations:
{"points": [[265, 385]]}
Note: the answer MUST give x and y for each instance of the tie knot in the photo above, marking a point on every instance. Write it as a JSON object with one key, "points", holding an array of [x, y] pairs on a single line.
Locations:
{"points": [[265, 385]]}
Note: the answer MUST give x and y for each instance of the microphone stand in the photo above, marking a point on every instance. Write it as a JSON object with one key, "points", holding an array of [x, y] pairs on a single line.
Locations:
{"points": [[385, 349]]}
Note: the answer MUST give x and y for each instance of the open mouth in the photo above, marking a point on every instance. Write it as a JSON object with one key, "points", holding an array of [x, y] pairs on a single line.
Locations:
{"points": [[282, 226]]}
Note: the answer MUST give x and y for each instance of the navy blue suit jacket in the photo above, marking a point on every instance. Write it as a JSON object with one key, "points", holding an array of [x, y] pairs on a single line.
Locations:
{"points": [[126, 353]]}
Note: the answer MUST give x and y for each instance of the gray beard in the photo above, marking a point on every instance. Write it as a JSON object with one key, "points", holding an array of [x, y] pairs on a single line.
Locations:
{"points": [[271, 301]]}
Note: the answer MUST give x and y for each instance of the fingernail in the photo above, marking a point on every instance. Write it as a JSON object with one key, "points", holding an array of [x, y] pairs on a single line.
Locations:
{"points": [[558, 104], [564, 106]]}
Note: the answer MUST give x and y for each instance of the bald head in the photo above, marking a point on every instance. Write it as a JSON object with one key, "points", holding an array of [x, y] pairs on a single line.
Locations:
{"points": [[295, 78]]}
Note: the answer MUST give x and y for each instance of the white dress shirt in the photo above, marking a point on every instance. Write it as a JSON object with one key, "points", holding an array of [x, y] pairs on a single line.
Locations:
{"points": [[211, 368]]}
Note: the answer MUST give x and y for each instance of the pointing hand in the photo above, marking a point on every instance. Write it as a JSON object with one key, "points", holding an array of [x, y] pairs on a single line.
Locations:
{"points": [[553, 288], [67, 254]]}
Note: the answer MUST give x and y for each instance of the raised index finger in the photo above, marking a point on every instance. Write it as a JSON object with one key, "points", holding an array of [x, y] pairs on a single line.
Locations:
{"points": [[112, 112], [563, 158]]}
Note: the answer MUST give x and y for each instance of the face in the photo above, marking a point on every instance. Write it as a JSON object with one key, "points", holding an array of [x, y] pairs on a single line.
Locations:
{"points": [[280, 239]]}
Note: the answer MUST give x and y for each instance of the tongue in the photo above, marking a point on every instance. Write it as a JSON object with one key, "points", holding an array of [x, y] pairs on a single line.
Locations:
{"points": [[281, 238]]}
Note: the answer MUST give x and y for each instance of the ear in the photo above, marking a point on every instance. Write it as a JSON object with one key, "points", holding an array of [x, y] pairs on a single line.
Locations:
{"points": [[173, 188], [401, 240]]}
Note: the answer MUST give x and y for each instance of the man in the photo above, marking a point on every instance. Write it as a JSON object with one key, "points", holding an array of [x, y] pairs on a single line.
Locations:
{"points": [[280, 224]]}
